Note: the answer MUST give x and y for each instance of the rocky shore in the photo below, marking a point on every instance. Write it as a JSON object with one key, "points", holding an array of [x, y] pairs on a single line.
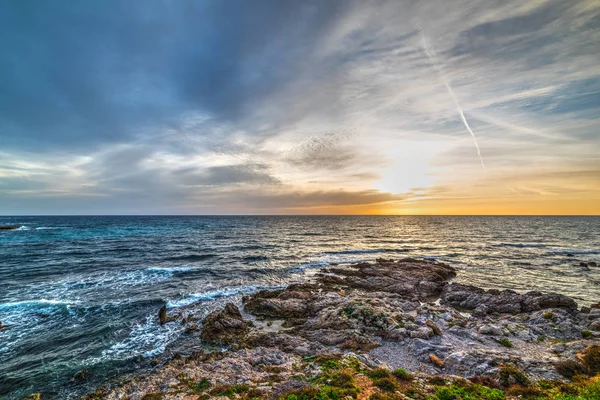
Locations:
{"points": [[383, 330]]}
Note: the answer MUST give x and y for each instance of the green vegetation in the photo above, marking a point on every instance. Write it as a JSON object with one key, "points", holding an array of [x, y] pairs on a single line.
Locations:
{"points": [[403, 374], [505, 342], [229, 390], [386, 384], [379, 373], [200, 386], [510, 375], [586, 334], [548, 315], [474, 392]]}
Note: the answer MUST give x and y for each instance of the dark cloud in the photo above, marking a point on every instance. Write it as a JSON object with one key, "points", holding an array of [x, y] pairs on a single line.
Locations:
{"points": [[78, 73]]}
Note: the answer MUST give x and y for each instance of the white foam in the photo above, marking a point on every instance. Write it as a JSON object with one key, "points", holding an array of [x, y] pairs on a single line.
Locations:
{"points": [[40, 302], [215, 294], [146, 339], [183, 268]]}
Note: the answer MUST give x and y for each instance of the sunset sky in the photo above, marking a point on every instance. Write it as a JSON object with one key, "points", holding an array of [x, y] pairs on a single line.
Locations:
{"points": [[300, 107]]}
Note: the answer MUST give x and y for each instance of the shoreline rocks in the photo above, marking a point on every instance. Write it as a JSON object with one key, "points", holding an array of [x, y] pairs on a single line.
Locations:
{"points": [[381, 316], [9, 227]]}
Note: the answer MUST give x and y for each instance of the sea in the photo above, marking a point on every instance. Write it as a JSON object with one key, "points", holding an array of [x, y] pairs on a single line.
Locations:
{"points": [[83, 292]]}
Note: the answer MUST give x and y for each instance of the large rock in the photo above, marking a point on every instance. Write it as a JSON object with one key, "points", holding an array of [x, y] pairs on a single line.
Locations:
{"points": [[225, 326], [408, 277], [9, 227], [484, 302]]}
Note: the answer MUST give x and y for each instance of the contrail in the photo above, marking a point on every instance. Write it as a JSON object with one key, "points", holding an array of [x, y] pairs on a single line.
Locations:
{"points": [[447, 83]]}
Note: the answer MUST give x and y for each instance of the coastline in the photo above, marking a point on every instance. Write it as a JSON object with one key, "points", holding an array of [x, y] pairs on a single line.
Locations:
{"points": [[361, 320]]}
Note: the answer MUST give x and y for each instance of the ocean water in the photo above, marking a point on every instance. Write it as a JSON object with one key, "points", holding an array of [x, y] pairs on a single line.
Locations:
{"points": [[83, 292]]}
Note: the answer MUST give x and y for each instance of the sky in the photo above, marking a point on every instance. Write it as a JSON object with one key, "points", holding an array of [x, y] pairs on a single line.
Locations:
{"points": [[300, 107]]}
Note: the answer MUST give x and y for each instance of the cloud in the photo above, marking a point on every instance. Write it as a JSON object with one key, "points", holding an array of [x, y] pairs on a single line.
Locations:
{"points": [[166, 105]]}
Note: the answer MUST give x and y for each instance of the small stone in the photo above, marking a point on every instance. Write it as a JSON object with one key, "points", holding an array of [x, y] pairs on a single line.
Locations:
{"points": [[435, 360], [595, 325], [192, 328], [592, 264], [434, 327]]}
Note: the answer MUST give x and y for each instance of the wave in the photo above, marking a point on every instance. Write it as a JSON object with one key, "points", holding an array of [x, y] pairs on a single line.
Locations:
{"points": [[44, 228], [183, 268], [255, 258], [573, 251], [41, 303], [192, 257], [367, 251], [215, 294], [534, 245]]}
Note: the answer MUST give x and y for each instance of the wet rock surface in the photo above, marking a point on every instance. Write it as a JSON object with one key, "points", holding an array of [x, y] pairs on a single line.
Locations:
{"points": [[389, 314]]}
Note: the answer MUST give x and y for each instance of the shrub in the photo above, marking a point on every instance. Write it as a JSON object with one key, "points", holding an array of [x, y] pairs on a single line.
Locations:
{"points": [[548, 315], [386, 384], [485, 380], [525, 392], [436, 380], [200, 386], [403, 374], [586, 334], [569, 368], [591, 359], [385, 396], [510, 375], [153, 396], [378, 373], [342, 380], [229, 390], [505, 342]]}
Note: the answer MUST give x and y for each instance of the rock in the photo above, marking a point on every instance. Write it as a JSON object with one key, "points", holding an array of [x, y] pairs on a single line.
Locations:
{"points": [[225, 326], [584, 265], [490, 330], [162, 315], [595, 325], [81, 376], [434, 327], [9, 227], [408, 277], [594, 314], [423, 332], [570, 255], [592, 264], [192, 328], [507, 301], [435, 360]]}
